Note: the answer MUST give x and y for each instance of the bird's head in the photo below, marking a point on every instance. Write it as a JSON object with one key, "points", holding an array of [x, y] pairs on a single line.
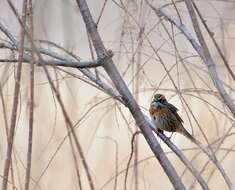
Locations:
{"points": [[159, 98], [157, 103]]}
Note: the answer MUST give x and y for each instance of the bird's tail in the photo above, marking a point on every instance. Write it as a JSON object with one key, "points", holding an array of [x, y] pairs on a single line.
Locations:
{"points": [[184, 132]]}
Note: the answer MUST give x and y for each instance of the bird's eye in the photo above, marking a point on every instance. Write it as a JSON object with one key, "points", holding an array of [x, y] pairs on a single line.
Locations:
{"points": [[161, 99]]}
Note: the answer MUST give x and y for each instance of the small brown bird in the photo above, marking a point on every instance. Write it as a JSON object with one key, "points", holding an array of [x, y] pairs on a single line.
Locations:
{"points": [[165, 117]]}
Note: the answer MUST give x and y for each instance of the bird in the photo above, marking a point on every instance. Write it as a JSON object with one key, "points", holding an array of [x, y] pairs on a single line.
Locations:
{"points": [[165, 117]]}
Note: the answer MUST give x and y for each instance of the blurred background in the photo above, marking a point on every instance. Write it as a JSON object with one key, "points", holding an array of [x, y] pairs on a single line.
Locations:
{"points": [[139, 39]]}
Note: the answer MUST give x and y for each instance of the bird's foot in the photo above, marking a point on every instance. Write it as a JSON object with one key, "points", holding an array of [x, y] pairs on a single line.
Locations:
{"points": [[160, 131]]}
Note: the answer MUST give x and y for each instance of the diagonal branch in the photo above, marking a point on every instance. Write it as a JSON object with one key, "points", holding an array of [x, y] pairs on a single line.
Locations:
{"points": [[211, 67], [202, 49], [106, 88], [207, 60], [57, 94], [113, 73], [210, 33]]}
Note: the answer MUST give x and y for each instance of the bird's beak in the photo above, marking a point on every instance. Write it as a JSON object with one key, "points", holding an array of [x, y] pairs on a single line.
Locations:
{"points": [[154, 107], [155, 104]]}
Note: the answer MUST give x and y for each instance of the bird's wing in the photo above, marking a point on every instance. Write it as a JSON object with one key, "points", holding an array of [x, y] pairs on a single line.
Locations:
{"points": [[174, 110]]}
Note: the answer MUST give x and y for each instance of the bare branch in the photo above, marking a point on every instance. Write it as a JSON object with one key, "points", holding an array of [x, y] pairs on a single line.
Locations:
{"points": [[202, 50], [181, 156], [130, 157], [215, 42], [31, 101], [66, 63], [127, 97], [213, 73], [108, 89], [10, 137]]}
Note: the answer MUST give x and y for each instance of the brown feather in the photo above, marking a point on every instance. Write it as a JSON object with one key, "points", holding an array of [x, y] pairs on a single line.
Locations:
{"points": [[174, 110]]}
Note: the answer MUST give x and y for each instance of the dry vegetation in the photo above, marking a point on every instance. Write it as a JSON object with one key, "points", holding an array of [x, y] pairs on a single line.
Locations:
{"points": [[77, 78]]}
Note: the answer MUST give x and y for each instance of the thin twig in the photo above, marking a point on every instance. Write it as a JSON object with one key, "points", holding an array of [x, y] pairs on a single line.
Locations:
{"points": [[130, 157], [113, 73], [66, 117], [213, 74], [214, 41], [106, 88], [116, 159], [31, 101], [181, 156], [202, 49], [15, 98], [65, 63]]}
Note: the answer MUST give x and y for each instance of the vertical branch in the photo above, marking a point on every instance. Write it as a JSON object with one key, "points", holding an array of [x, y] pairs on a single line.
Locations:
{"points": [[215, 42], [31, 101], [128, 99], [211, 68], [130, 157], [69, 124], [207, 58], [6, 127], [15, 98], [70, 128], [75, 161], [137, 85], [116, 160], [136, 150]]}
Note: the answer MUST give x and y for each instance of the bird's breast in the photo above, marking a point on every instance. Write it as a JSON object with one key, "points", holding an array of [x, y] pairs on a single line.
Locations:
{"points": [[163, 121], [157, 120]]}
